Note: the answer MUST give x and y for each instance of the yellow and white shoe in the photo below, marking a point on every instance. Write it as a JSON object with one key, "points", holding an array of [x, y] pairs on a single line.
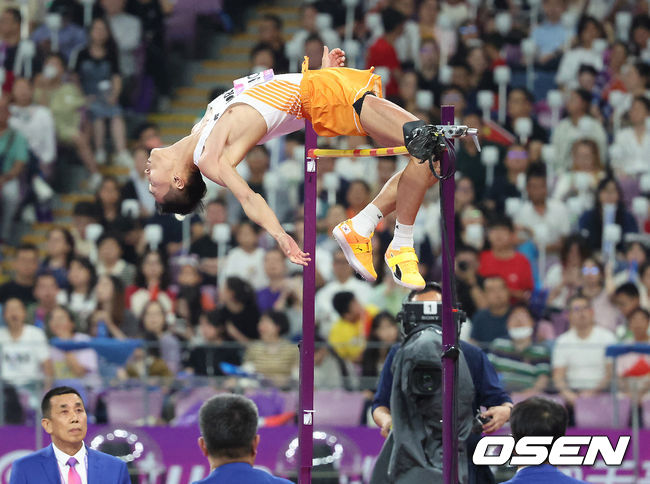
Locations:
{"points": [[357, 249], [403, 264]]}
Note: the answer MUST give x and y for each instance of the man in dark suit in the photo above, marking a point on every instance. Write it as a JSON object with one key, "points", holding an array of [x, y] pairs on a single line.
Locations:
{"points": [[67, 460], [539, 417], [229, 440]]}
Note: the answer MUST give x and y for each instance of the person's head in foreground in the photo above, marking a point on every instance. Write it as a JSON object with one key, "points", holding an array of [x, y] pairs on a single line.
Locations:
{"points": [[174, 180], [228, 425], [538, 417], [64, 418]]}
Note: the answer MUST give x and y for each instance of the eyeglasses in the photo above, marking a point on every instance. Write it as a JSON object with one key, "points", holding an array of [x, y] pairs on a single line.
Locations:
{"points": [[590, 271]]}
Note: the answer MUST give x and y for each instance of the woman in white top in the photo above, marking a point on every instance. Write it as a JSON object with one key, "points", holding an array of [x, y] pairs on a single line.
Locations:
{"points": [[633, 143], [589, 29], [586, 171]]}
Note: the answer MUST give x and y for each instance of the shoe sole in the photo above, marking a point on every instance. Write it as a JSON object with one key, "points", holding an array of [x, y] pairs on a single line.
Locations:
{"points": [[339, 236], [398, 281]]}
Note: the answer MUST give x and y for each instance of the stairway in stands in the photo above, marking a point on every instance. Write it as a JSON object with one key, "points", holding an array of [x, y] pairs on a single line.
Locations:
{"points": [[229, 60]]}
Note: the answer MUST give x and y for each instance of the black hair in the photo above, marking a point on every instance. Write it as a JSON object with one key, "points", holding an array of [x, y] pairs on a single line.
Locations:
{"points": [[342, 302], [187, 199], [430, 286], [644, 267], [280, 319], [580, 296], [359, 181], [142, 315], [46, 273], [228, 425], [521, 305], [627, 289], [643, 100], [587, 68], [598, 208], [4, 306], [584, 21], [242, 291], [644, 71], [527, 94], [584, 95], [570, 241], [89, 266], [46, 403], [536, 170], [259, 47], [275, 19], [314, 38], [641, 310], [142, 127], [164, 278], [466, 248], [261, 148], [111, 235], [216, 201], [98, 200], [15, 13], [86, 209], [372, 353], [111, 45], [538, 417], [502, 221], [24, 247], [69, 239], [640, 21], [493, 277], [392, 19]]}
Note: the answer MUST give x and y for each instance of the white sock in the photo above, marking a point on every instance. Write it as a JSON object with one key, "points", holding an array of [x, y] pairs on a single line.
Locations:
{"points": [[364, 222], [403, 236]]}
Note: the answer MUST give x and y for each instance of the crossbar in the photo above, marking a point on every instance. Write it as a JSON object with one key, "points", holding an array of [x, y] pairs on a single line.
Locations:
{"points": [[327, 153]]}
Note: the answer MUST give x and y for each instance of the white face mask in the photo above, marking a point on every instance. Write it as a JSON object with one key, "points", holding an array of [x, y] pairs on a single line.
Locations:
{"points": [[475, 236], [50, 71], [521, 332]]}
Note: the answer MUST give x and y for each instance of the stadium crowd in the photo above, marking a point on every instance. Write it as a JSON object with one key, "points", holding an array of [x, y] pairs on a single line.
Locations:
{"points": [[552, 222]]}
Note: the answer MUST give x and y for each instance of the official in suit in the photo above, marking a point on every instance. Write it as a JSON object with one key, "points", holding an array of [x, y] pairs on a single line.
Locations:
{"points": [[67, 460], [539, 417], [229, 440]]}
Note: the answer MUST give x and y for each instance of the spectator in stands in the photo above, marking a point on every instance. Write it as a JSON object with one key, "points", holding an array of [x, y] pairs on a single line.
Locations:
{"points": [[585, 172], [10, 21], [589, 29], [151, 283], [388, 295], [614, 67], [580, 367], [101, 82], [110, 261], [427, 66], [275, 269], [59, 251], [357, 197], [25, 352], [640, 32], [427, 18], [608, 192], [154, 324], [216, 212], [70, 37], [627, 270], [247, 259], [344, 280], [127, 31], [270, 33], [504, 261], [469, 285], [633, 142], [348, 333], [21, 285], [34, 122], [214, 348], [563, 279], [46, 289], [137, 186], [551, 35], [314, 50], [109, 205], [384, 333], [273, 356], [229, 440], [520, 105], [79, 297], [407, 88], [82, 363], [83, 214], [540, 213], [53, 89], [578, 124], [506, 186], [627, 299], [636, 79], [147, 134], [261, 58], [523, 364], [13, 148], [111, 318], [491, 323], [468, 158], [383, 54], [594, 287], [633, 369], [644, 287], [238, 310]]}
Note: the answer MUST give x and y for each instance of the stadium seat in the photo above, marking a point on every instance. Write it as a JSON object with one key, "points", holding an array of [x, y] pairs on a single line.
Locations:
{"points": [[338, 407], [131, 405], [598, 411]]}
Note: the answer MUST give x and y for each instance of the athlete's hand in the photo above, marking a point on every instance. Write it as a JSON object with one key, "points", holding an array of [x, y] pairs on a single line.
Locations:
{"points": [[335, 58], [292, 251]]}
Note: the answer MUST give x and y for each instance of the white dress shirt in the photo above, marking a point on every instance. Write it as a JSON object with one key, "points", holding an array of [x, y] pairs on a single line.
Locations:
{"points": [[81, 467]]}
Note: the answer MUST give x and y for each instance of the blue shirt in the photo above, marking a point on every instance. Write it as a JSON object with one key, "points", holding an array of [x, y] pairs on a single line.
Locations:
{"points": [[241, 473], [550, 37], [488, 392], [542, 475]]}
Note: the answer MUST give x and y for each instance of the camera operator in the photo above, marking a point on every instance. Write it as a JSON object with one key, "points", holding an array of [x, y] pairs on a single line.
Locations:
{"points": [[485, 390]]}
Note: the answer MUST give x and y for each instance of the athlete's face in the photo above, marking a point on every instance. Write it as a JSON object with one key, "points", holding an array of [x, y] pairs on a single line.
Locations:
{"points": [[159, 171]]}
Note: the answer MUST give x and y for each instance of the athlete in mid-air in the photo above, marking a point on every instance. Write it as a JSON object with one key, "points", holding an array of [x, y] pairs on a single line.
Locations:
{"points": [[339, 102]]}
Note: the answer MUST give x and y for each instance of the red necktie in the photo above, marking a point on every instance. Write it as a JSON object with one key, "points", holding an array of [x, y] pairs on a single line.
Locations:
{"points": [[73, 475]]}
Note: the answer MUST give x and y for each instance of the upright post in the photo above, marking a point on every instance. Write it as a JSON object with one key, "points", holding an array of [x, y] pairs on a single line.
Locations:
{"points": [[449, 335], [306, 397]]}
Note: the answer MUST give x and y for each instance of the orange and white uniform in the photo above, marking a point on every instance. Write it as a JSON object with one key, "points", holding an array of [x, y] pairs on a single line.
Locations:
{"points": [[325, 97]]}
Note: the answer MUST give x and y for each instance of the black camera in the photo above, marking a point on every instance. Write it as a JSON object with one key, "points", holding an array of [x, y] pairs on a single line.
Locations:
{"points": [[415, 314]]}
